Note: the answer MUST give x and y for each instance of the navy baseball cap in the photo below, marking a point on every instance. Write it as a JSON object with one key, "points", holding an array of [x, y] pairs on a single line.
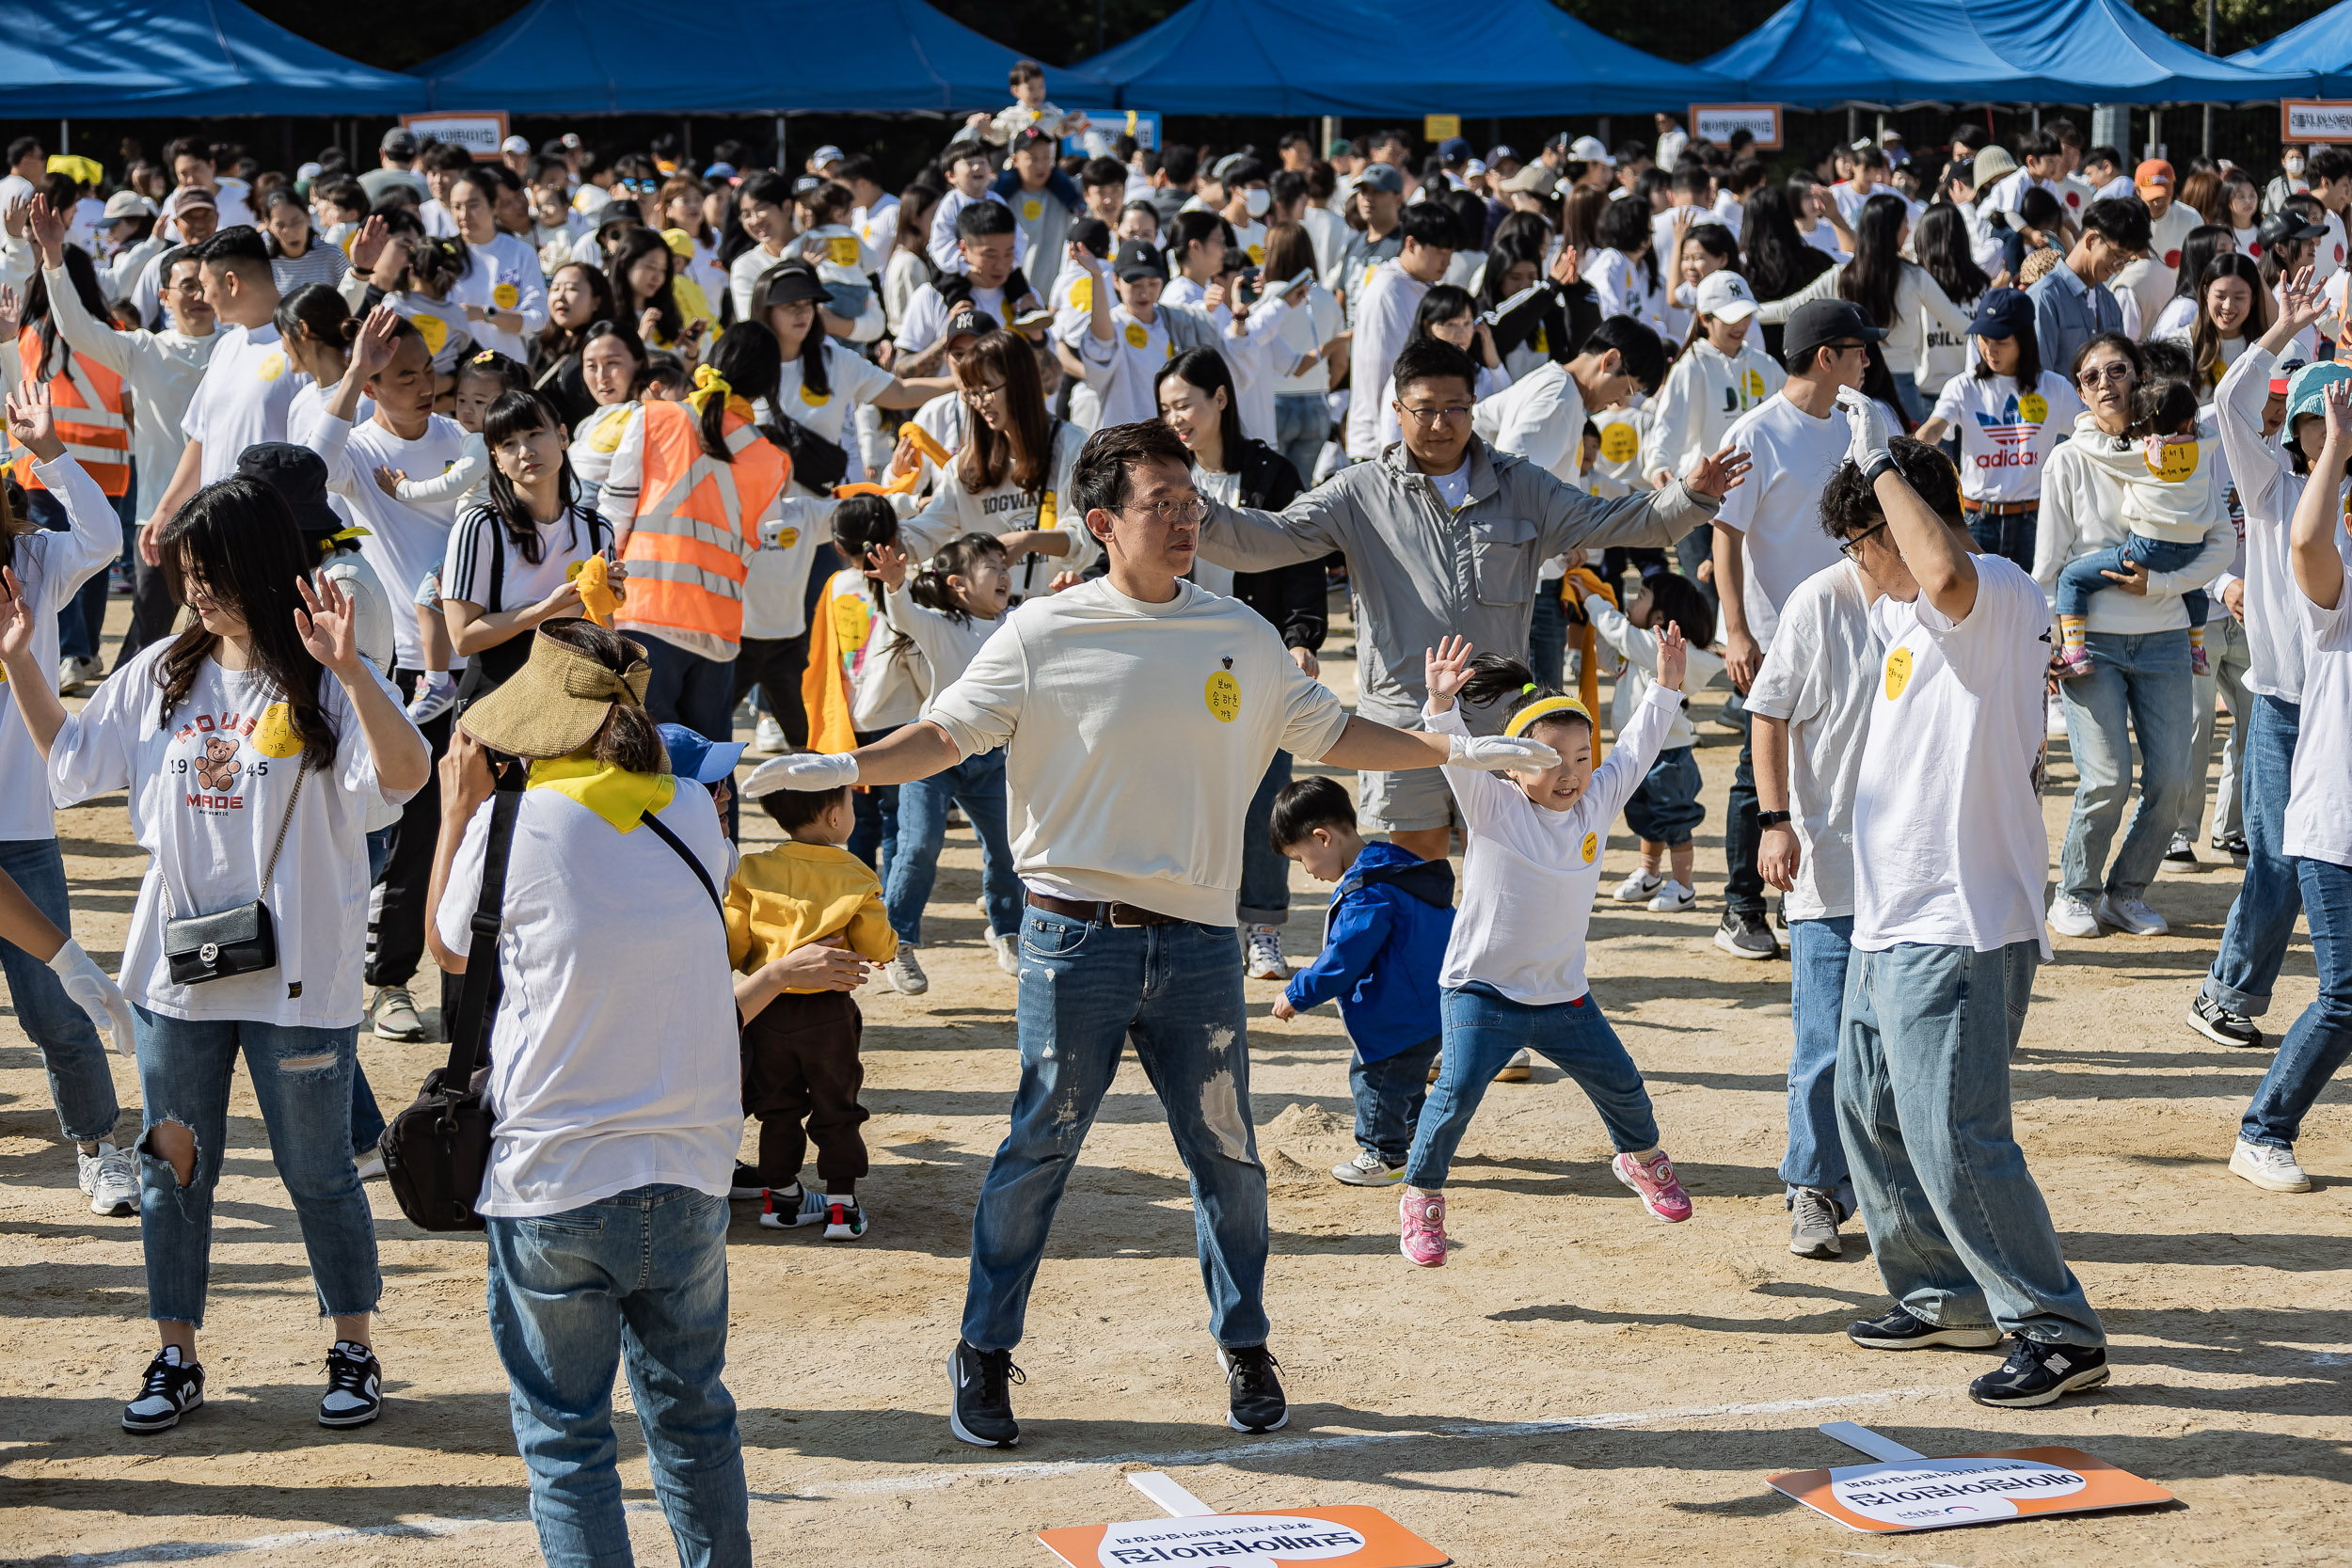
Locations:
{"points": [[692, 756], [2001, 313], [1454, 149]]}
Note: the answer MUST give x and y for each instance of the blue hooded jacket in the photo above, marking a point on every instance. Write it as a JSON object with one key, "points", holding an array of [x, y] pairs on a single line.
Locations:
{"points": [[1383, 946]]}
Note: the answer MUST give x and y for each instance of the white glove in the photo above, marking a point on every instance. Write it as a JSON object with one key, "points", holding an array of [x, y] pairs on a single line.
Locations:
{"points": [[1501, 754], [1865, 429], [95, 994], [811, 771]]}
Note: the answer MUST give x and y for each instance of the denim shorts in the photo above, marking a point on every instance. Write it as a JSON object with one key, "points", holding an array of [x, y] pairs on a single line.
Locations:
{"points": [[1665, 808]]}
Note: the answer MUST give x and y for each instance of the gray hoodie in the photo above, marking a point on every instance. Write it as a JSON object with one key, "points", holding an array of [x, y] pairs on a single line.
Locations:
{"points": [[1418, 572]]}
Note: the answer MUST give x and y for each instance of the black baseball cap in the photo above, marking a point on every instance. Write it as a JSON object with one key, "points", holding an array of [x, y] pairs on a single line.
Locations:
{"points": [[619, 213], [1140, 259], [787, 282], [299, 477], [1827, 321], [968, 320], [2286, 227], [1094, 234]]}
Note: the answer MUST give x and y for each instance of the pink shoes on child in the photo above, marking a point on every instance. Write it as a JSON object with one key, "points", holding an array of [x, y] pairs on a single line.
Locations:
{"points": [[2072, 663], [1654, 1183], [1423, 1221]]}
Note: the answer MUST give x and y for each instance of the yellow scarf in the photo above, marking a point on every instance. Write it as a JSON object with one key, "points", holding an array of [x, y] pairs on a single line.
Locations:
{"points": [[620, 798]]}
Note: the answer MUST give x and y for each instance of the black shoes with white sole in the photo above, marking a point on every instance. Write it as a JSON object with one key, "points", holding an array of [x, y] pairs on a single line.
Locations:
{"points": [[1256, 1393], [2036, 1373], [1899, 1330], [979, 1411], [355, 1390], [354, 1386], [173, 1387]]}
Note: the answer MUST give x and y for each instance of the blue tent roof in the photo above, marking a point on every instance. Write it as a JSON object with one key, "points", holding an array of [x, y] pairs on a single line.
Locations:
{"points": [[1814, 52], [728, 56], [2321, 46], [171, 58], [1386, 58]]}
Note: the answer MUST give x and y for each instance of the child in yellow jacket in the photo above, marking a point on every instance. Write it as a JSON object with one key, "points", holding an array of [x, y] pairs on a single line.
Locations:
{"points": [[800, 1068]]}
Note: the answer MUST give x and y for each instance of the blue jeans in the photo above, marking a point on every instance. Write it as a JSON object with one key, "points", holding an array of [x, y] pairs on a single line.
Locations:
{"points": [[2010, 536], [81, 1085], [1960, 1231], [1820, 953], [1547, 636], [1389, 1094], [2254, 942], [874, 831], [1483, 1027], [2322, 1038], [2080, 577], [1302, 422], [302, 1079], [978, 785], [1265, 872], [1694, 550], [642, 1277], [1664, 807], [1907, 393], [1087, 989], [2140, 685]]}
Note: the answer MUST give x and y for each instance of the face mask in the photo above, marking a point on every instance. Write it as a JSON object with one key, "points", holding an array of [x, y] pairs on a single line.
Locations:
{"points": [[2292, 166], [1258, 200]]}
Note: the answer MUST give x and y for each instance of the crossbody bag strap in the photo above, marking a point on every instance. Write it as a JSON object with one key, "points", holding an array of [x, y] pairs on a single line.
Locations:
{"points": [[302, 772], [688, 856], [481, 986]]}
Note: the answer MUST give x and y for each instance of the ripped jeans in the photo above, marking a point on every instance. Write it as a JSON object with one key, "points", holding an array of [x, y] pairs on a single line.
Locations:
{"points": [[302, 1078], [1087, 989]]}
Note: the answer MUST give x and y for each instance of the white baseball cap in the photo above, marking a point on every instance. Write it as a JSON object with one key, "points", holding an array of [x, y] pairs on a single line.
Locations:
{"points": [[516, 144], [826, 154], [1588, 149], [1725, 295]]}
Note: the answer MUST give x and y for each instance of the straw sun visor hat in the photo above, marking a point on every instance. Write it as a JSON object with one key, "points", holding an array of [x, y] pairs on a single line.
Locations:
{"points": [[558, 701]]}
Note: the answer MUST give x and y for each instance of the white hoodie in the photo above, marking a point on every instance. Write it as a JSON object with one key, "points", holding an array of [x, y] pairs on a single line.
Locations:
{"points": [[1703, 394]]}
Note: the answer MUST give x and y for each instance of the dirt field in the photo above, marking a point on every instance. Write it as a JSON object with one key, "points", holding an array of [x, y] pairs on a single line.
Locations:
{"points": [[1580, 1384]]}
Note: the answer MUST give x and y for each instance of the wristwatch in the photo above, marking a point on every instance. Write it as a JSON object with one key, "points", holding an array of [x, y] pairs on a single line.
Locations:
{"points": [[1771, 819]]}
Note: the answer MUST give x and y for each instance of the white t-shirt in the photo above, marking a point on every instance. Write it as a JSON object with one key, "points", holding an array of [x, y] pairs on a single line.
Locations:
{"points": [[207, 794], [480, 553], [2319, 803], [775, 581], [1950, 848], [248, 387], [1006, 508], [2005, 438], [1778, 511], [1312, 321], [1820, 677], [927, 316], [1529, 875], [403, 541], [1539, 417], [505, 276], [2151, 277], [1453, 488], [51, 568], [614, 1061], [1120, 370], [1136, 734]]}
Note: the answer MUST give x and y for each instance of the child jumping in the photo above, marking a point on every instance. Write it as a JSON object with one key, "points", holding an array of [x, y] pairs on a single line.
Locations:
{"points": [[1664, 812], [801, 1069], [1513, 973], [1384, 943]]}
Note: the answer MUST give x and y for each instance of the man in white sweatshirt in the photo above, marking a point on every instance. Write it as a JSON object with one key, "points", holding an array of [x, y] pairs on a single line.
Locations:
{"points": [[1137, 713]]}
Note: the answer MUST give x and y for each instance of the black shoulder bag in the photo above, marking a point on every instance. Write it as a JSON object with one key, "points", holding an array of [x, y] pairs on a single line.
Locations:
{"points": [[201, 947]]}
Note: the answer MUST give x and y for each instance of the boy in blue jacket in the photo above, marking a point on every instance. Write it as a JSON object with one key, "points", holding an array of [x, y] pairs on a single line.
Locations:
{"points": [[1383, 945]]}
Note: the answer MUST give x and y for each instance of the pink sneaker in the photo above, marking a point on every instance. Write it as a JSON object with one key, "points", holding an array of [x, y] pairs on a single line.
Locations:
{"points": [[1655, 1185], [1423, 1238], [2197, 664], [2074, 663]]}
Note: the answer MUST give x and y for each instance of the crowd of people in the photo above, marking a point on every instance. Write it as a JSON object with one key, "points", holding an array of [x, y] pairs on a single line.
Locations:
{"points": [[466, 508]]}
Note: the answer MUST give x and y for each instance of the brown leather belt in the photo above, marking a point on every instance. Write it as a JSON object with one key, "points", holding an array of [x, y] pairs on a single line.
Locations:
{"points": [[2000, 509], [1107, 915]]}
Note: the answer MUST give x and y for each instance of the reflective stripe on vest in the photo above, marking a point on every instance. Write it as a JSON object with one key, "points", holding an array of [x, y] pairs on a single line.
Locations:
{"points": [[86, 401], [696, 523]]}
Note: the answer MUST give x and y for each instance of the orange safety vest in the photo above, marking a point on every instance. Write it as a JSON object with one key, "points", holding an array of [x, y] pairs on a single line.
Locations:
{"points": [[698, 525], [85, 399]]}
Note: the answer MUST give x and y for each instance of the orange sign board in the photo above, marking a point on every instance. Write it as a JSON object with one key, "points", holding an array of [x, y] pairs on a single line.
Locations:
{"points": [[1968, 1489], [1344, 1537]]}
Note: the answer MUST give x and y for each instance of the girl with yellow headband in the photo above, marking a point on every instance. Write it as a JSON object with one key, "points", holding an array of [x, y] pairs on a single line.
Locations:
{"points": [[1514, 975]]}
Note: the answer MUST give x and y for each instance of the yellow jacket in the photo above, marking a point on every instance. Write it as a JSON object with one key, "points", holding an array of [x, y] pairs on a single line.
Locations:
{"points": [[795, 894]]}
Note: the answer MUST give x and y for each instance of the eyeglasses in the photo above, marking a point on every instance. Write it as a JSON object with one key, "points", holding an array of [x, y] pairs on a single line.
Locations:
{"points": [[1430, 416], [1191, 512], [975, 396], [1851, 548], [2117, 374]]}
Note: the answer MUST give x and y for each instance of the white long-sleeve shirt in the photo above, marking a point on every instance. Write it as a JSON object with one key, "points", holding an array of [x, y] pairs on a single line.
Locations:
{"points": [[943, 251], [161, 370], [2269, 489], [505, 276], [1384, 319], [1919, 302], [1705, 392], [461, 486], [1540, 418], [2082, 511], [947, 644], [50, 568], [1638, 649]]}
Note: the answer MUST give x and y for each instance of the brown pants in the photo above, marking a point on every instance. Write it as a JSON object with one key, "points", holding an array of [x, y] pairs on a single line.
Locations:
{"points": [[800, 1065]]}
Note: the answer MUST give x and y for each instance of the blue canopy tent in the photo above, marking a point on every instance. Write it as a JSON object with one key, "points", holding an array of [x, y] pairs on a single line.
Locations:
{"points": [[1813, 54], [2322, 46], [118, 58], [725, 56], [1502, 57]]}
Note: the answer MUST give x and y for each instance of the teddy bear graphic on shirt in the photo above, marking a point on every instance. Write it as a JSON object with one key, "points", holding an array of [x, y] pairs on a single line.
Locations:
{"points": [[218, 767]]}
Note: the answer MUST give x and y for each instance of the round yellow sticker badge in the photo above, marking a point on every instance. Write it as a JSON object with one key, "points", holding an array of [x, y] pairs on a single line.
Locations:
{"points": [[1256, 256], [2174, 461], [506, 297], [2033, 409], [1136, 336], [433, 329], [1224, 696], [1618, 442], [1754, 383], [1033, 209], [1897, 672], [1082, 294], [841, 250], [272, 365], [273, 737], [786, 538], [814, 400], [1592, 846]]}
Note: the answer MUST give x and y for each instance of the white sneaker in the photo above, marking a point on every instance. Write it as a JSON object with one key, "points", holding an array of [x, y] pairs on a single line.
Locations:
{"points": [[768, 736], [75, 674], [2054, 718], [1637, 888], [1519, 1069], [2269, 1167], [2131, 914], [1368, 1171], [370, 1166], [1265, 955], [905, 974], [1008, 953], [1674, 898], [433, 699], [110, 1182], [396, 1015], [2072, 917]]}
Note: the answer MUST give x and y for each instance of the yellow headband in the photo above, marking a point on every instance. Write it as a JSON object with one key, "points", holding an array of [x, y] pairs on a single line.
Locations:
{"points": [[1546, 708], [708, 383]]}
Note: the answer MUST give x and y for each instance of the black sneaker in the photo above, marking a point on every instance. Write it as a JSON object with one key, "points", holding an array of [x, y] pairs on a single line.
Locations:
{"points": [[2234, 846], [1900, 1330], [2037, 1374], [1743, 934], [354, 1386], [1257, 1402], [747, 1186], [2220, 1025], [980, 1413], [173, 1388]]}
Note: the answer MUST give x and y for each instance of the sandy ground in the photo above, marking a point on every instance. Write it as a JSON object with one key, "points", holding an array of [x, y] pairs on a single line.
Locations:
{"points": [[1580, 1384]]}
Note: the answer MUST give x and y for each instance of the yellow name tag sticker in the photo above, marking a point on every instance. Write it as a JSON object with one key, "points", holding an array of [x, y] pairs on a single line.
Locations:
{"points": [[506, 297], [2033, 409], [272, 365], [1897, 672], [2173, 462], [1224, 696], [434, 330], [841, 250], [1136, 336], [814, 400], [786, 538], [1618, 443], [608, 436], [275, 737], [1256, 256], [1082, 295], [1592, 846], [1033, 209]]}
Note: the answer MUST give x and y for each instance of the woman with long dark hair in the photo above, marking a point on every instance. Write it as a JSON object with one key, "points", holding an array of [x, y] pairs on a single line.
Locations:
{"points": [[1943, 244], [2204, 241], [250, 746], [1777, 261], [643, 294], [296, 255], [2234, 310], [578, 296], [611, 363], [1623, 270], [1895, 293]]}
